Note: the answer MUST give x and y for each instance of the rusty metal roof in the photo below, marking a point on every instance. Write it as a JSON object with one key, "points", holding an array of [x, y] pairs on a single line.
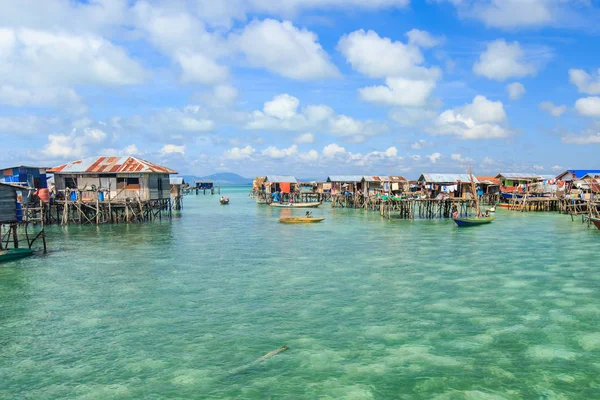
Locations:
{"points": [[110, 165]]}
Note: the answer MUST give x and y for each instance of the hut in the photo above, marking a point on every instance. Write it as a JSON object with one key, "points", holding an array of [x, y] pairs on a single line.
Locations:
{"points": [[451, 185], [113, 178], [32, 177], [398, 185], [280, 183], [9, 205], [488, 185], [571, 175], [176, 186], [343, 183], [373, 185]]}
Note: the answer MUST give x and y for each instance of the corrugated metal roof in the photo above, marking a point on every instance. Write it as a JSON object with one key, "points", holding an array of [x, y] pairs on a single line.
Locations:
{"points": [[489, 180], [176, 180], [546, 177], [579, 173], [518, 176], [344, 178], [446, 178], [281, 179], [112, 165]]}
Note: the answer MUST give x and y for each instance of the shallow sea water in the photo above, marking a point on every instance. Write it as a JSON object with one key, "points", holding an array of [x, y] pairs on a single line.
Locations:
{"points": [[370, 308]]}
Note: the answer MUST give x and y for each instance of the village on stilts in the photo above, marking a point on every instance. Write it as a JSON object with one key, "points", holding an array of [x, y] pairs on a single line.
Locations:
{"points": [[118, 190]]}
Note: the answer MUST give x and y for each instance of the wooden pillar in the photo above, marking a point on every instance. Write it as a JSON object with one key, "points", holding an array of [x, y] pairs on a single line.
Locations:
{"points": [[15, 237]]}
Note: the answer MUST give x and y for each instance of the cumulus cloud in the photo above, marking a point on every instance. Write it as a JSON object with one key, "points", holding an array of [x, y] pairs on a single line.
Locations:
{"points": [[305, 138], [423, 39], [459, 158], [410, 116], [584, 138], [282, 113], [77, 144], [408, 82], [552, 109], [131, 150], [237, 153], [586, 83], [53, 97], [331, 150], [274, 152], [284, 49], [511, 14], [481, 119], [28, 124], [588, 106], [515, 90], [434, 157], [503, 60], [172, 149]]}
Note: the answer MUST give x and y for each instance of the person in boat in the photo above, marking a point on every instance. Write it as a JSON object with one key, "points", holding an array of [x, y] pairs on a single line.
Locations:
{"points": [[487, 214], [308, 215], [454, 211]]}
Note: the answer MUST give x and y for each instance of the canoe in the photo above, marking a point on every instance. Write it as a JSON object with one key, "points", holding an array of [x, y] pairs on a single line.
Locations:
{"points": [[472, 221], [14, 254], [300, 220], [296, 205], [595, 221], [261, 202]]}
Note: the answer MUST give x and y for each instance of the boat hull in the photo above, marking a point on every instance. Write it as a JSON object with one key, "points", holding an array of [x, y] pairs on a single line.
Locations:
{"points": [[465, 222], [14, 254], [296, 205], [595, 221], [300, 220]]}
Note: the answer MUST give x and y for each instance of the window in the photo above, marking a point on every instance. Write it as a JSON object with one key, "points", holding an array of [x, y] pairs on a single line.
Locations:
{"points": [[128, 183], [71, 183], [160, 184]]}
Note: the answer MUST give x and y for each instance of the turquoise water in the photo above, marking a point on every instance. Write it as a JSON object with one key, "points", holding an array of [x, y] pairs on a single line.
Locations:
{"points": [[370, 309]]}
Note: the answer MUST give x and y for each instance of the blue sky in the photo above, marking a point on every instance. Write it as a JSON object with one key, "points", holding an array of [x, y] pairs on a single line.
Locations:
{"points": [[305, 87]]}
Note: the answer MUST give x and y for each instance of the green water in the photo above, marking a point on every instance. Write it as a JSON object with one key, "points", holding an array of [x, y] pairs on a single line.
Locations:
{"points": [[370, 309]]}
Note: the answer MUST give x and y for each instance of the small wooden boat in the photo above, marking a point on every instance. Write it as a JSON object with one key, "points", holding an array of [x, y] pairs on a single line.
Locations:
{"points": [[296, 205], [224, 200], [595, 221], [14, 254], [472, 221], [300, 220], [261, 202]]}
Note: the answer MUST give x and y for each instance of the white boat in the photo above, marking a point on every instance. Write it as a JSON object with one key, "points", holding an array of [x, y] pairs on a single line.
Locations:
{"points": [[296, 205]]}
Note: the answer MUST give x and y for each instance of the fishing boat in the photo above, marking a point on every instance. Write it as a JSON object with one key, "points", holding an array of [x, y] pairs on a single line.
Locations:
{"points": [[300, 220], [14, 254], [473, 221], [296, 205], [224, 200], [595, 221]]}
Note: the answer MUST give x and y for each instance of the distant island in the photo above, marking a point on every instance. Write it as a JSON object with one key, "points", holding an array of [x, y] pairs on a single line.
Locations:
{"points": [[223, 178]]}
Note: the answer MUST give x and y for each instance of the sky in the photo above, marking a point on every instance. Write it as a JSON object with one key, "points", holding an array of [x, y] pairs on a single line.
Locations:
{"points": [[303, 87]]}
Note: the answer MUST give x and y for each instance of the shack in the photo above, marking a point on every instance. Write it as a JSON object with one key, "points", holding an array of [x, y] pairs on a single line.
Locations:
{"points": [[280, 183], [488, 185], [176, 186], [10, 210], [446, 185], [113, 178], [571, 175], [399, 185], [32, 177], [343, 183], [374, 185]]}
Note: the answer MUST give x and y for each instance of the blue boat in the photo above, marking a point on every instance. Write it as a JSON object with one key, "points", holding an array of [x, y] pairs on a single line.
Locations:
{"points": [[472, 221]]}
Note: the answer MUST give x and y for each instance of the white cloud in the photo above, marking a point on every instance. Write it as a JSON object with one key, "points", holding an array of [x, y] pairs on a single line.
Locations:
{"points": [[131, 150], [408, 82], [48, 59], [399, 91], [284, 49], [282, 106], [197, 67], [55, 97], [378, 57], [225, 94], [459, 158], [481, 119], [423, 39], [237, 153], [172, 149], [558, 168], [538, 167], [488, 160], [588, 106], [192, 119], [274, 152], [434, 158], [552, 109], [512, 14], [503, 60], [515, 90], [420, 144], [332, 150], [74, 145], [305, 138], [586, 137], [585, 82], [282, 113]]}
